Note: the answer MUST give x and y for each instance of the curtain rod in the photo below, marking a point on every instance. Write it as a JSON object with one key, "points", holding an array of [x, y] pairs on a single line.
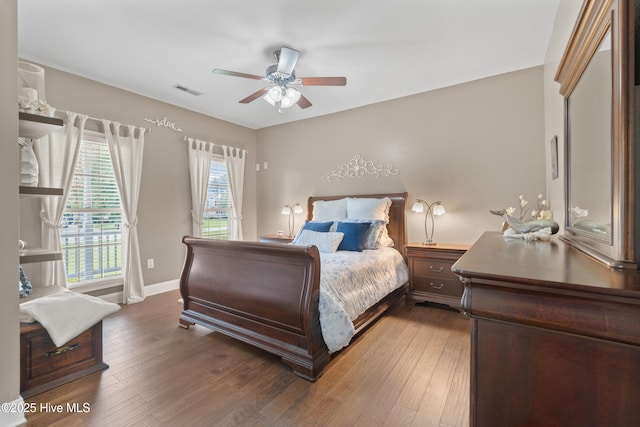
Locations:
{"points": [[147, 130], [187, 138]]}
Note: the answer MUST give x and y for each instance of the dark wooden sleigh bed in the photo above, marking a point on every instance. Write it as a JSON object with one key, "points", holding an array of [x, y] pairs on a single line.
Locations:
{"points": [[267, 294]]}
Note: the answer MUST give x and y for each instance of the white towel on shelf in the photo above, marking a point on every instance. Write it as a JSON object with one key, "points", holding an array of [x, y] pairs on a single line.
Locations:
{"points": [[66, 314]]}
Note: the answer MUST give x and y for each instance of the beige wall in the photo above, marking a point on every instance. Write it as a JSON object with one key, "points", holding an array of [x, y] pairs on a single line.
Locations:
{"points": [[475, 146], [9, 332], [165, 199]]}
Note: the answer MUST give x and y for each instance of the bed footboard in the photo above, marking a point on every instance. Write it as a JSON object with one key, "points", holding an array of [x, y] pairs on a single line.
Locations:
{"points": [[265, 294]]}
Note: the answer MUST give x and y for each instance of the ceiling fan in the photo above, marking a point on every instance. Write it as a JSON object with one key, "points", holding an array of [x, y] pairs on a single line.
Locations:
{"points": [[280, 76]]}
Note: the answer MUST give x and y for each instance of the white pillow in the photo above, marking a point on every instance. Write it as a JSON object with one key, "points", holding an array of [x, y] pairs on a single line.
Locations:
{"points": [[326, 242], [367, 209], [330, 210], [378, 236]]}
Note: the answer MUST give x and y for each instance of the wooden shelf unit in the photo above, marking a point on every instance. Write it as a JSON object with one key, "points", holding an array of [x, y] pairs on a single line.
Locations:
{"points": [[34, 126], [43, 365], [38, 255], [26, 191]]}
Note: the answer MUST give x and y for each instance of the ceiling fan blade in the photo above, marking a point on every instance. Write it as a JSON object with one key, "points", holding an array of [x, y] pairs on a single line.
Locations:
{"points": [[324, 81], [254, 96], [303, 102], [236, 74], [287, 61]]}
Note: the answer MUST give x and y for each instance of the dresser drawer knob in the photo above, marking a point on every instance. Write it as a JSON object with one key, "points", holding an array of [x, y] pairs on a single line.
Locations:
{"points": [[63, 349], [436, 270], [436, 286]]}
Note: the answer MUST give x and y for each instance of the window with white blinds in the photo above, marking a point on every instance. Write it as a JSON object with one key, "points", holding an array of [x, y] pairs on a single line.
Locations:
{"points": [[218, 207], [92, 222]]}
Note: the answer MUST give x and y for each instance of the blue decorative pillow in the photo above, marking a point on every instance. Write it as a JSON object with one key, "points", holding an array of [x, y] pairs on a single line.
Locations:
{"points": [[355, 234], [322, 227]]}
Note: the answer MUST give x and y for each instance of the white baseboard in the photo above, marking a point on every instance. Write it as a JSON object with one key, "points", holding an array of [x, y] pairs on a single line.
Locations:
{"points": [[12, 413], [156, 288]]}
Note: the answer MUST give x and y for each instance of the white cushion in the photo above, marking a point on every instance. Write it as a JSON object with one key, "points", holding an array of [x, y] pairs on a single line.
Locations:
{"points": [[368, 209], [330, 210], [326, 242], [67, 314]]}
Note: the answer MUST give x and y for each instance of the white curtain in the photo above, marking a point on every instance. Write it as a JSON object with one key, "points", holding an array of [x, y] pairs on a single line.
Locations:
{"points": [[234, 159], [126, 156], [57, 156], [199, 164]]}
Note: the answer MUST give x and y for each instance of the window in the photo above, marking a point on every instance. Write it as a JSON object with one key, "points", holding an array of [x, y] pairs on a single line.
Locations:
{"points": [[218, 207], [92, 221]]}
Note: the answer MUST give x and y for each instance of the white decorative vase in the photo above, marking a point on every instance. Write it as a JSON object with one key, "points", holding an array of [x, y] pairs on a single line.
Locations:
{"points": [[31, 77], [28, 164]]}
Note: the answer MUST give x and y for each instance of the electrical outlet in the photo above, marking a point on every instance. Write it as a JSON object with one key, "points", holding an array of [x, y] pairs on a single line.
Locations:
{"points": [[150, 263], [265, 165], [257, 166]]}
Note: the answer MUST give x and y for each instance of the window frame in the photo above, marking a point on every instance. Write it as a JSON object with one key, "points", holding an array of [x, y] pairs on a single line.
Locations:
{"points": [[104, 282], [217, 159]]}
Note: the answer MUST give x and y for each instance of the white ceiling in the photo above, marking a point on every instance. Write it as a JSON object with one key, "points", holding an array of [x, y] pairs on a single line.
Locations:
{"points": [[387, 49]]}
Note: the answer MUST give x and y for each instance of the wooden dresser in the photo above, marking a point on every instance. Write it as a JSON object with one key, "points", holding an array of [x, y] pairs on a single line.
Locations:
{"points": [[555, 336], [430, 275]]}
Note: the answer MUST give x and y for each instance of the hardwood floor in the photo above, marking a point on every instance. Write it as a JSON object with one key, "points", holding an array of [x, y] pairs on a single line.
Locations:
{"points": [[409, 368]]}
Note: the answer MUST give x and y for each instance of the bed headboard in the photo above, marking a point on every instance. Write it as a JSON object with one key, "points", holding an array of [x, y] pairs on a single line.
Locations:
{"points": [[397, 214]]}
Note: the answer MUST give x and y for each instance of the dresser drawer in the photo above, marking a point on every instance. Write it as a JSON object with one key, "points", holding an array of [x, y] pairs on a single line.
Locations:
{"points": [[440, 286], [423, 267]]}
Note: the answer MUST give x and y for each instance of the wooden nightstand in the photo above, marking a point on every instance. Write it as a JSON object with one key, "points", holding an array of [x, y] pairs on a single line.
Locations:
{"points": [[430, 275], [274, 238]]}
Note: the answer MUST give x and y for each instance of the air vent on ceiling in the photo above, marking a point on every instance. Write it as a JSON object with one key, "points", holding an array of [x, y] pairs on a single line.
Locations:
{"points": [[189, 91]]}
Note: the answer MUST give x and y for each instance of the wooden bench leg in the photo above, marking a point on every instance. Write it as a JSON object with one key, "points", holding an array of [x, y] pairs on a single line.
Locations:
{"points": [[185, 323]]}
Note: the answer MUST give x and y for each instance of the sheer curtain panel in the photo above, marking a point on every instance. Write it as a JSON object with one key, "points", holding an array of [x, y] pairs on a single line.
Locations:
{"points": [[126, 156], [57, 156], [199, 164], [234, 159]]}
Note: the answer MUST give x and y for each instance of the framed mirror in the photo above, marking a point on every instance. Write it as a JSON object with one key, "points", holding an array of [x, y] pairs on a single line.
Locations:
{"points": [[595, 77]]}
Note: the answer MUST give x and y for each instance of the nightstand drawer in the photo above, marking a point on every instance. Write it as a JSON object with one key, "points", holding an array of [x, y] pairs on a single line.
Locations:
{"points": [[440, 286], [433, 268]]}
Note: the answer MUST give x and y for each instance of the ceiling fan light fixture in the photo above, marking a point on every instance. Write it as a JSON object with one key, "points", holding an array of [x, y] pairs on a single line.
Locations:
{"points": [[275, 94], [290, 98], [287, 97]]}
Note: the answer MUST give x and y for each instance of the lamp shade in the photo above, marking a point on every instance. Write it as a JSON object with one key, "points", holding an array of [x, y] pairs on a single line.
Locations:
{"points": [[297, 209], [286, 210], [417, 207], [438, 210]]}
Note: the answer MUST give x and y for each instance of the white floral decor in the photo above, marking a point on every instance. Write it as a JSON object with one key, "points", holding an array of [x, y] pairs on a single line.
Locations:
{"points": [[530, 224], [358, 167]]}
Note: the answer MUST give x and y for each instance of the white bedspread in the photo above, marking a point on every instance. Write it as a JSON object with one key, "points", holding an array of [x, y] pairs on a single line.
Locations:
{"points": [[350, 283]]}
